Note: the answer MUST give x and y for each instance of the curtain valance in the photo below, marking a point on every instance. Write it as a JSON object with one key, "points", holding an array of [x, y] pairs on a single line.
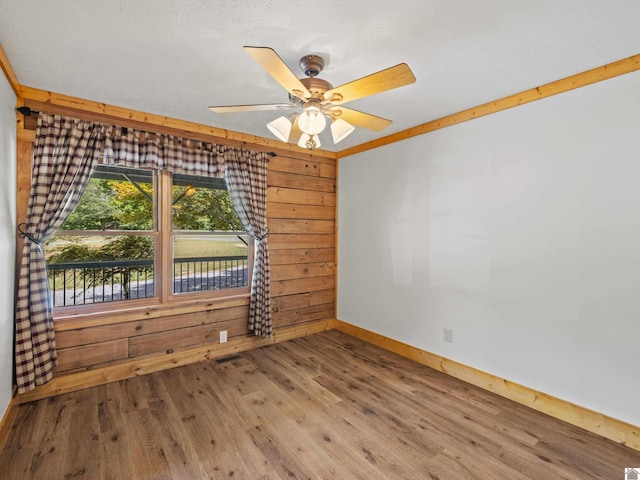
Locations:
{"points": [[132, 148]]}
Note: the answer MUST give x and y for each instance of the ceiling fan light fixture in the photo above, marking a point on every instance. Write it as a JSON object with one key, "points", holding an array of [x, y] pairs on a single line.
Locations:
{"points": [[309, 141], [312, 121], [340, 129], [281, 128], [319, 99]]}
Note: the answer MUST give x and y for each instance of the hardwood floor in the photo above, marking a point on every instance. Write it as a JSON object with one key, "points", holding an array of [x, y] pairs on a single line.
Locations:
{"points": [[324, 406]]}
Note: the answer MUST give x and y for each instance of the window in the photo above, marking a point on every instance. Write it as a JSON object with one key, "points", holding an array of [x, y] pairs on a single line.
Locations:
{"points": [[210, 248], [142, 234]]}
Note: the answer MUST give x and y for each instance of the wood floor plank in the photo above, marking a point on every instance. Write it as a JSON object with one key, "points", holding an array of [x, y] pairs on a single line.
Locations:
{"points": [[326, 406], [82, 432]]}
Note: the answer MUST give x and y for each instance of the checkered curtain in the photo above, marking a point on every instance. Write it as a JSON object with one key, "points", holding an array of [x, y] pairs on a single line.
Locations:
{"points": [[65, 152], [246, 174]]}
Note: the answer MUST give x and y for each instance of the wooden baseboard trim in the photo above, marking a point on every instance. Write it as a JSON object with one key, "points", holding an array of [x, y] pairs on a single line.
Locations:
{"points": [[7, 422], [134, 368], [594, 422]]}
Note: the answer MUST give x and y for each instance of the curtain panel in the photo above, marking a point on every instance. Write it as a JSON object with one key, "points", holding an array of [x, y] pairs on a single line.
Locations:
{"points": [[65, 154], [246, 174]]}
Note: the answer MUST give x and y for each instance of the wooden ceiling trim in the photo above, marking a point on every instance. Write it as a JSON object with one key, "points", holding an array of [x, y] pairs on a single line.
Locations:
{"points": [[605, 72], [57, 103]]}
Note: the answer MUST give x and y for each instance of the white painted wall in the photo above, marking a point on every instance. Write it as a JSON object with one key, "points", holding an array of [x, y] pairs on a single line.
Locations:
{"points": [[521, 232], [7, 237]]}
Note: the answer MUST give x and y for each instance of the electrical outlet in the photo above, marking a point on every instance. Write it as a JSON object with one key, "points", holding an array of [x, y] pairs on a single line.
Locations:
{"points": [[447, 335], [223, 336]]}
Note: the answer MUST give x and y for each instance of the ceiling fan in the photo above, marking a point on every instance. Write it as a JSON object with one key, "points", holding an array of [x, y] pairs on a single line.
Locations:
{"points": [[319, 99]]}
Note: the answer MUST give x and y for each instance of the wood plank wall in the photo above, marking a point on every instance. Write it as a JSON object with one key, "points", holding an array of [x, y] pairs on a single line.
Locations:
{"points": [[301, 200]]}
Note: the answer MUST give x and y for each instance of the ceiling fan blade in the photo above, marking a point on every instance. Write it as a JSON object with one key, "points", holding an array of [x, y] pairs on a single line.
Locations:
{"points": [[250, 108], [273, 64], [360, 119], [384, 80]]}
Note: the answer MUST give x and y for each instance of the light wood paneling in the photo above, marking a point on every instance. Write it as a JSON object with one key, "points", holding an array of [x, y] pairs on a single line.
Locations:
{"points": [[168, 341], [93, 354], [85, 336], [289, 241], [300, 300], [598, 423], [289, 302], [321, 297], [303, 314], [292, 180], [282, 163], [328, 170], [302, 255], [302, 197], [301, 285], [295, 211], [289, 225], [605, 72], [304, 270]]}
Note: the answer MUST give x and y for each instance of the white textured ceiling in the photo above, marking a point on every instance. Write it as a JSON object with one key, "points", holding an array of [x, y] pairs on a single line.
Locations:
{"points": [[177, 57]]}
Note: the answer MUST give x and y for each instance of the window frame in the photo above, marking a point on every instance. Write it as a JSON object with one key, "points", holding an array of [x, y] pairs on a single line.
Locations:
{"points": [[163, 234]]}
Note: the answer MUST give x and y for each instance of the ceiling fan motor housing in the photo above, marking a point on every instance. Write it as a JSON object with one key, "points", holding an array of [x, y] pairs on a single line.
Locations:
{"points": [[311, 65], [316, 86]]}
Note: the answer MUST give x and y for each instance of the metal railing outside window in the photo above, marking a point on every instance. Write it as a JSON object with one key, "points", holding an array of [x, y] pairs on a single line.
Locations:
{"points": [[82, 283]]}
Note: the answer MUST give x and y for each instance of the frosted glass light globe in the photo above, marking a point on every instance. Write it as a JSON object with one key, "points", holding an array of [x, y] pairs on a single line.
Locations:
{"points": [[312, 121]]}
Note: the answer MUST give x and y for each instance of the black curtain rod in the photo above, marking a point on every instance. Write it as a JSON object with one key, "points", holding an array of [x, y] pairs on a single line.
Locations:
{"points": [[26, 111]]}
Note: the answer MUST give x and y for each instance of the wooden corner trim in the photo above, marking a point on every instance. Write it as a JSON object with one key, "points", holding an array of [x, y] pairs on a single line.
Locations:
{"points": [[605, 72], [142, 366], [8, 72], [28, 136], [594, 422]]}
